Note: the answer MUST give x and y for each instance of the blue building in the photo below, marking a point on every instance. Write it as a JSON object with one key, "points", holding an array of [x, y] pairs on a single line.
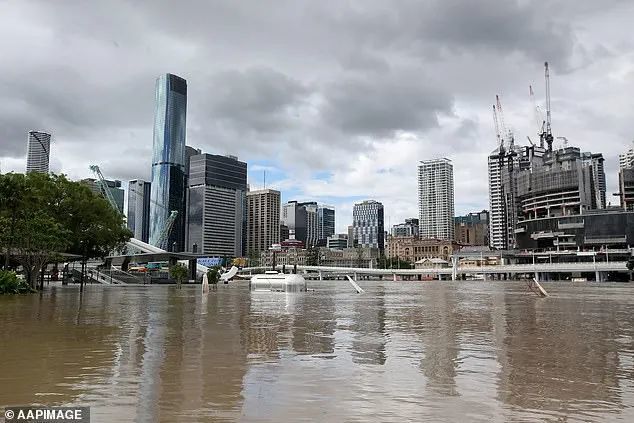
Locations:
{"points": [[168, 160]]}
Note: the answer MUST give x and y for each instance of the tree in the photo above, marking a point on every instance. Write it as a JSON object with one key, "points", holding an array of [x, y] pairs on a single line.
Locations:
{"points": [[213, 275], [179, 272], [42, 215], [313, 256]]}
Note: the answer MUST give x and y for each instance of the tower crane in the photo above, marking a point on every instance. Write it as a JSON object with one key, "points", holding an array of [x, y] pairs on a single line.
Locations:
{"points": [[497, 128], [104, 187], [548, 135], [505, 133], [539, 117], [169, 222]]}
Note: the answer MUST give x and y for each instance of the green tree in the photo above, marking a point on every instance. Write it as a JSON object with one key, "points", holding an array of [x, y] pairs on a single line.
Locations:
{"points": [[179, 273], [313, 256], [254, 258], [42, 215], [213, 275], [10, 284]]}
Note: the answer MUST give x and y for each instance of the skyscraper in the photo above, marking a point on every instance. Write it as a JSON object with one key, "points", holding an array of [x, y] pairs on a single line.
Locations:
{"points": [[263, 220], [168, 159], [368, 224], [217, 205], [38, 152], [435, 199], [139, 209], [326, 222]]}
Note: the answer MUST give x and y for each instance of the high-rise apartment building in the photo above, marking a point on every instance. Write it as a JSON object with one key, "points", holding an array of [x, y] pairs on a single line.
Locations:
{"points": [[409, 228], [368, 229], [216, 223], [263, 220], [435, 199], [168, 160], [626, 160], [139, 209], [38, 152]]}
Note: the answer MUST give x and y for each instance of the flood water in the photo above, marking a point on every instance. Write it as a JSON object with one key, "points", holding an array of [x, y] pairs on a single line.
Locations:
{"points": [[423, 351]]}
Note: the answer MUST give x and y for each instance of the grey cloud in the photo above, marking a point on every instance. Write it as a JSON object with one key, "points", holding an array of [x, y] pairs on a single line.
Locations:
{"points": [[384, 104], [256, 99]]}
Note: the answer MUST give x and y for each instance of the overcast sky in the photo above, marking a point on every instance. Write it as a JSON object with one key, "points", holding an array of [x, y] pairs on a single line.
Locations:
{"points": [[336, 100]]}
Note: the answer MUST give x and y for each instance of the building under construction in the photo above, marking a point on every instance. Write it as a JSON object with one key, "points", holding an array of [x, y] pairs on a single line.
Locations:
{"points": [[537, 181]]}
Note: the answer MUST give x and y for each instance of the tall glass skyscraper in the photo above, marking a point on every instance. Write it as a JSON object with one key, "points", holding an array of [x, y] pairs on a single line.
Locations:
{"points": [[38, 152], [168, 160]]}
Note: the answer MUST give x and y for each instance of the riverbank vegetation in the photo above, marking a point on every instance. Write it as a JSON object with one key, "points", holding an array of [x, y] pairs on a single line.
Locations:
{"points": [[44, 218]]}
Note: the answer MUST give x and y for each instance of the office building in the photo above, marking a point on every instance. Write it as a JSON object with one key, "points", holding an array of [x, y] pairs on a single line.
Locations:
{"points": [[294, 216], [169, 160], [409, 228], [368, 225], [263, 220], [303, 221], [115, 190], [435, 199], [337, 242], [139, 209], [351, 241], [326, 222], [284, 232], [38, 152], [472, 228], [216, 221]]}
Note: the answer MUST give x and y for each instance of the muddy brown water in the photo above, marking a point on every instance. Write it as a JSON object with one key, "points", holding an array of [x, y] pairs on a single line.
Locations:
{"points": [[403, 351]]}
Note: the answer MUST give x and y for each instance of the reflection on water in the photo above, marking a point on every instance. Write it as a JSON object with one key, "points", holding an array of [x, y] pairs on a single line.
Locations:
{"points": [[470, 351]]}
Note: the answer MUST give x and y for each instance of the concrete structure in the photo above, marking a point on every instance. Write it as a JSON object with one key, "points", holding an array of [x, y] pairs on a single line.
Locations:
{"points": [[368, 225], [592, 230], [351, 241], [168, 190], [38, 152], [216, 222], [284, 232], [532, 183], [500, 227], [115, 189], [337, 242], [626, 188], [263, 220], [409, 228], [138, 219], [436, 199], [412, 249], [472, 228]]}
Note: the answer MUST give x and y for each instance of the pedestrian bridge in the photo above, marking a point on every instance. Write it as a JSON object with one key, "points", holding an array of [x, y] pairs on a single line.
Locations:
{"points": [[540, 270]]}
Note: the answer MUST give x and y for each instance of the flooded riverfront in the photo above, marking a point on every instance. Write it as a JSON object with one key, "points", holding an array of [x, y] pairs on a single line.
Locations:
{"points": [[422, 351]]}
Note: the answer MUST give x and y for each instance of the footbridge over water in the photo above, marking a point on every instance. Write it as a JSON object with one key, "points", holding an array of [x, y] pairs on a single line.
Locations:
{"points": [[541, 271]]}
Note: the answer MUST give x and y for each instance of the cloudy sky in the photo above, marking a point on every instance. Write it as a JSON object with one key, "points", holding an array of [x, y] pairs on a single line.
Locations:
{"points": [[336, 100]]}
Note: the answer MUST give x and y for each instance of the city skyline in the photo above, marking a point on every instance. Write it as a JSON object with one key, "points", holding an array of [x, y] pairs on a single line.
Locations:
{"points": [[303, 122]]}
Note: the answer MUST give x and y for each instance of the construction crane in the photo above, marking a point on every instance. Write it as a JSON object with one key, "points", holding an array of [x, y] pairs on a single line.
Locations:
{"points": [[497, 128], [565, 140], [538, 115], [169, 222], [161, 241], [505, 134], [105, 189], [548, 135]]}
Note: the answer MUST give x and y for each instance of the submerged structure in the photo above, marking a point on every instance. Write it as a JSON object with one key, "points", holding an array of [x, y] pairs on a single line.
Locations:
{"points": [[278, 282]]}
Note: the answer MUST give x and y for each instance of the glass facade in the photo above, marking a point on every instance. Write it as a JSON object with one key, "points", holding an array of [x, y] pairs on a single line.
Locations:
{"points": [[168, 160]]}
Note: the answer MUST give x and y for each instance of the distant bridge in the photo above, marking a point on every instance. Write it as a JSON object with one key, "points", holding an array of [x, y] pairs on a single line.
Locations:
{"points": [[539, 270]]}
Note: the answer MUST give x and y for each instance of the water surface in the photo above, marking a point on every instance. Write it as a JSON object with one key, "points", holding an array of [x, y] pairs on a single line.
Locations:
{"points": [[436, 351]]}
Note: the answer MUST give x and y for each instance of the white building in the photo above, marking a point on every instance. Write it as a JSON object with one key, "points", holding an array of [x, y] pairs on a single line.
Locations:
{"points": [[436, 199], [38, 152], [626, 160]]}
